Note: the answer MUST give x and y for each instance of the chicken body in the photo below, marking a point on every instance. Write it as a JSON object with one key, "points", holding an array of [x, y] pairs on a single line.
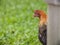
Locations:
{"points": [[42, 35]]}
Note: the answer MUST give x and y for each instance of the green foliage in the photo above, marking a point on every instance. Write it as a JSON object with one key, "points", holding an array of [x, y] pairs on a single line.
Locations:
{"points": [[17, 24]]}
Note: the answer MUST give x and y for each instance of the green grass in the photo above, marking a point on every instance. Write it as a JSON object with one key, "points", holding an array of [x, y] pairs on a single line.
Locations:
{"points": [[17, 24]]}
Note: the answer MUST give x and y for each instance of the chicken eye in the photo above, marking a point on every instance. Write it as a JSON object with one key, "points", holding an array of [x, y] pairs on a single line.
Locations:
{"points": [[38, 14]]}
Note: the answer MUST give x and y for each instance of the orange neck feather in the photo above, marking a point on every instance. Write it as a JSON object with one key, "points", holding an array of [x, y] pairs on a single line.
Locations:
{"points": [[43, 18]]}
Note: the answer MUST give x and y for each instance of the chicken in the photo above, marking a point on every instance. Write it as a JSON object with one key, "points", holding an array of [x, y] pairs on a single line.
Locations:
{"points": [[42, 35]]}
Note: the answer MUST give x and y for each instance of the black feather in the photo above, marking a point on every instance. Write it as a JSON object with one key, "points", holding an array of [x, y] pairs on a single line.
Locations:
{"points": [[43, 34]]}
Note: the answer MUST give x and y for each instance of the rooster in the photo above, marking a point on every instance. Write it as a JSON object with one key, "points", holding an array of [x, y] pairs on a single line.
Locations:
{"points": [[42, 35]]}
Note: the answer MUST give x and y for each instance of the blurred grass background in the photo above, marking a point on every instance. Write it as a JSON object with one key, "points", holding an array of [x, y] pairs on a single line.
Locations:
{"points": [[17, 24]]}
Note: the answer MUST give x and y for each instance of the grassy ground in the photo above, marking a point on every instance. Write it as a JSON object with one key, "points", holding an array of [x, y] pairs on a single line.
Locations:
{"points": [[17, 24]]}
